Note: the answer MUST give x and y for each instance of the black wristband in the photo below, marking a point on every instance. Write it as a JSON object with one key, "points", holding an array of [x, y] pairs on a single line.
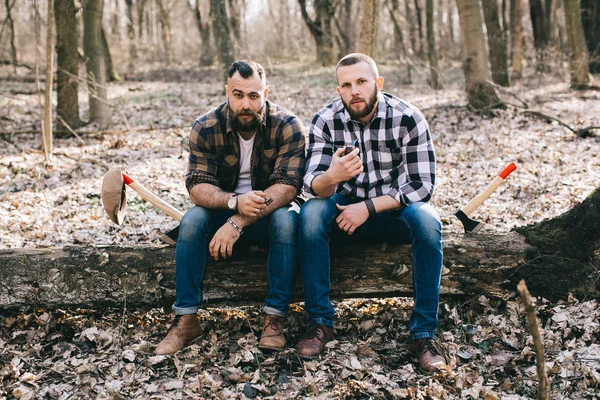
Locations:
{"points": [[370, 207]]}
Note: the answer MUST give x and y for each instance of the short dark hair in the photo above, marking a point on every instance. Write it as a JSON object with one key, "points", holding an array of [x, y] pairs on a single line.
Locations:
{"points": [[355, 58], [246, 69]]}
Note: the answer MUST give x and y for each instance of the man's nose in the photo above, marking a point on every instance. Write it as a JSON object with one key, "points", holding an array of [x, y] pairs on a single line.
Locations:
{"points": [[354, 90]]}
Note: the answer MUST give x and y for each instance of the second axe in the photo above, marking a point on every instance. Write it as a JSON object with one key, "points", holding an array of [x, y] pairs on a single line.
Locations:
{"points": [[470, 224]]}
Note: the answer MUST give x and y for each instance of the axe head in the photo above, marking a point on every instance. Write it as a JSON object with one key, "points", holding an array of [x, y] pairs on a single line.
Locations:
{"points": [[469, 224], [170, 237], [114, 198]]}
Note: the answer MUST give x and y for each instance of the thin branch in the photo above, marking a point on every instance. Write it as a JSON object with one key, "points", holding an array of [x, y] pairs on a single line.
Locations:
{"points": [[533, 326]]}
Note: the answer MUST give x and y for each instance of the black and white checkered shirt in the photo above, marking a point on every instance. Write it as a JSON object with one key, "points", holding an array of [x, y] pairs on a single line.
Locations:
{"points": [[395, 147]]}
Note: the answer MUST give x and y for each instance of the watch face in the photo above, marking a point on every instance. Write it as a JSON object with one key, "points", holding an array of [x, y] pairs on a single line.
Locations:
{"points": [[232, 203]]}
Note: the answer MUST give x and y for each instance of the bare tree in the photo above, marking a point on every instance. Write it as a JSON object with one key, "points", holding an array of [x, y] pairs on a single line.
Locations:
{"points": [[111, 71], [412, 32], [164, 12], [516, 13], [590, 17], [221, 32], [369, 27], [96, 67], [235, 20], [47, 125], [420, 26], [131, 35], [538, 22], [141, 5], [342, 17], [67, 58], [580, 75], [393, 8], [431, 50], [11, 26], [320, 29], [202, 12], [480, 92], [496, 43]]}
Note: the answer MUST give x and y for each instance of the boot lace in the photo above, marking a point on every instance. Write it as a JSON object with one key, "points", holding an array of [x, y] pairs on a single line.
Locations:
{"points": [[275, 323], [312, 332]]}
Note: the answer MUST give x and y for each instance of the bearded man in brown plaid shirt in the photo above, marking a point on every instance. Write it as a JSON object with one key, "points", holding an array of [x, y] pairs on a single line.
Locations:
{"points": [[246, 165]]}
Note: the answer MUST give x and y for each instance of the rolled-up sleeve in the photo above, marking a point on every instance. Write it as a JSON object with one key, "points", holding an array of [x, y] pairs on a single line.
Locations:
{"points": [[320, 152], [419, 162], [291, 159], [202, 166]]}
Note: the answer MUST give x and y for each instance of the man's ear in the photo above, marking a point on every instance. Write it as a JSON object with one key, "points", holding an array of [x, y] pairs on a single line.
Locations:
{"points": [[379, 82], [338, 90], [266, 92]]}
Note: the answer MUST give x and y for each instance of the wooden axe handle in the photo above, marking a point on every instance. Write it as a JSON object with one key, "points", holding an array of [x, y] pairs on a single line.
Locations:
{"points": [[481, 197], [152, 198]]}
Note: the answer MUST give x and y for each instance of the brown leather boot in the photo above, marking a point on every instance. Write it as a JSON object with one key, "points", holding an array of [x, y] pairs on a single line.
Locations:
{"points": [[430, 353], [183, 330], [313, 342], [272, 337]]}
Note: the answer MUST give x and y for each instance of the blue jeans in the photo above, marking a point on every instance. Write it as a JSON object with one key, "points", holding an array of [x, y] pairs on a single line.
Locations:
{"points": [[278, 231], [417, 224]]}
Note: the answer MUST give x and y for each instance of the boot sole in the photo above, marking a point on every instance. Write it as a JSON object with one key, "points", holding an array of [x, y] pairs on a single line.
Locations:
{"points": [[268, 348]]}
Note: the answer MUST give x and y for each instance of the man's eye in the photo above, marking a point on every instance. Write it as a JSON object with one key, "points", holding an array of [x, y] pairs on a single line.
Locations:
{"points": [[254, 97], [238, 95]]}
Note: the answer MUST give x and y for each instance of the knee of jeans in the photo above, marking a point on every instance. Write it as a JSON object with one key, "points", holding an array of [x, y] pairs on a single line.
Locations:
{"points": [[194, 223], [423, 220], [315, 217], [284, 224]]}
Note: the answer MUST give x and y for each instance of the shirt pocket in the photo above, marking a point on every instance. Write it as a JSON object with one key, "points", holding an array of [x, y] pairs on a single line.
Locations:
{"points": [[267, 160], [388, 156]]}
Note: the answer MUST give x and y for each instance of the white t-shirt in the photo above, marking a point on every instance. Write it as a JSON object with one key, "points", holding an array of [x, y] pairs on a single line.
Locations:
{"points": [[245, 180]]}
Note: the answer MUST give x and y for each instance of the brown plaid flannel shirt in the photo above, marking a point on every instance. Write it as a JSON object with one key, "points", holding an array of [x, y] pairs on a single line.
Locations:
{"points": [[277, 156]]}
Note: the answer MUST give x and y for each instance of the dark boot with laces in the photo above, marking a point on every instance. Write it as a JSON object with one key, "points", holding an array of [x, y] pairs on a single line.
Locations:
{"points": [[430, 353], [313, 342]]}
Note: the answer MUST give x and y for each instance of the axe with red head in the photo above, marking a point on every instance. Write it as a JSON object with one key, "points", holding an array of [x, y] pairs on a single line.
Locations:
{"points": [[470, 224]]}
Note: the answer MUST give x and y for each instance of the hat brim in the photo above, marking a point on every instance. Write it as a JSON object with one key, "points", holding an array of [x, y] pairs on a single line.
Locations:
{"points": [[114, 195]]}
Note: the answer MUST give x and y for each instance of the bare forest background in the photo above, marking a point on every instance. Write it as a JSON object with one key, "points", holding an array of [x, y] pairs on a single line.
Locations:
{"points": [[87, 85]]}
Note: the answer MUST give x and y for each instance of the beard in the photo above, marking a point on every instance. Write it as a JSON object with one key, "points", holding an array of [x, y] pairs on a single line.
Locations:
{"points": [[369, 105], [249, 125]]}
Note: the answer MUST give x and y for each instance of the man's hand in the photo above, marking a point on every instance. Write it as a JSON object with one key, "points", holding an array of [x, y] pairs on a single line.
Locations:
{"points": [[250, 204], [352, 217], [344, 167], [223, 241]]}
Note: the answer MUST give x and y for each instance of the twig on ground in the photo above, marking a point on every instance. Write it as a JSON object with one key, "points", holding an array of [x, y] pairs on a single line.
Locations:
{"points": [[583, 132], [534, 329], [62, 121]]}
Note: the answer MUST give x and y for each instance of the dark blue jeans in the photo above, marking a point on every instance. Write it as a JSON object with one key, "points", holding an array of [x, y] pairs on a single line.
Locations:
{"points": [[418, 224], [279, 232]]}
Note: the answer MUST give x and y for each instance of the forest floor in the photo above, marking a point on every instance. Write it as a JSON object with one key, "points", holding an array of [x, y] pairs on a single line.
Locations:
{"points": [[109, 353]]}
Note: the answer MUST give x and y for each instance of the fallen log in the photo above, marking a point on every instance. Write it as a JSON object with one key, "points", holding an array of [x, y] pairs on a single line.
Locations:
{"points": [[80, 276]]}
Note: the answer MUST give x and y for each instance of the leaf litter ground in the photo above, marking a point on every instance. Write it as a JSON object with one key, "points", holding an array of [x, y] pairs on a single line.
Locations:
{"points": [[109, 353]]}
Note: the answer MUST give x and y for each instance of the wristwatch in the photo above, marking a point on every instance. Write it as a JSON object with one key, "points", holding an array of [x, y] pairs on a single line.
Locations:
{"points": [[232, 202]]}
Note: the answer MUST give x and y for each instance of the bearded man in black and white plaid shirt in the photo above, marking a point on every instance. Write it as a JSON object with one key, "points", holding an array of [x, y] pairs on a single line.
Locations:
{"points": [[370, 174]]}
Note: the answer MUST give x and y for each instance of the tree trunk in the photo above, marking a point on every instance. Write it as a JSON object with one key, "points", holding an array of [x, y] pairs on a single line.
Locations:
{"points": [[496, 43], [516, 13], [590, 17], [221, 33], [369, 27], [11, 26], [556, 257], [420, 26], [320, 29], [67, 85], [202, 12], [580, 76], [141, 4], [111, 72], [131, 36], [164, 20], [96, 66], [548, 20], [411, 31], [431, 49], [398, 36], [47, 127], [481, 94], [235, 21], [536, 12], [344, 28]]}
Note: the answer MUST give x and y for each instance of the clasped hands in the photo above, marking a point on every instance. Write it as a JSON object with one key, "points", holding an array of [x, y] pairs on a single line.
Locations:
{"points": [[342, 168], [249, 204]]}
